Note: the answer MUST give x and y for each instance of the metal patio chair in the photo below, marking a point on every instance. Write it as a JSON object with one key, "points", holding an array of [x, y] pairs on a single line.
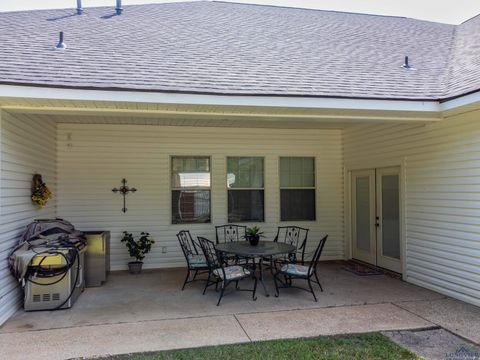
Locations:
{"points": [[222, 274], [230, 232], [196, 262], [294, 270], [293, 235]]}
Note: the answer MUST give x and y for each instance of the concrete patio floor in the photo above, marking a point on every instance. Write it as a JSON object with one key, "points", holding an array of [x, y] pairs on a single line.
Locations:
{"points": [[149, 312]]}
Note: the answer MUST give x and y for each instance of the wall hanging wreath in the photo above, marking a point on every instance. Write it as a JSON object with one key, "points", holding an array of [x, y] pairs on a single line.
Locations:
{"points": [[40, 191]]}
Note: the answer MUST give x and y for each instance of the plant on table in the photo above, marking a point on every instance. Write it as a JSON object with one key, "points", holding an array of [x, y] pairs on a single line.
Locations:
{"points": [[253, 235], [137, 249]]}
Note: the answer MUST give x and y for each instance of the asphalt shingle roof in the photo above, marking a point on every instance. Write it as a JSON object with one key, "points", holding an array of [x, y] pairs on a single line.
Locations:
{"points": [[238, 49]]}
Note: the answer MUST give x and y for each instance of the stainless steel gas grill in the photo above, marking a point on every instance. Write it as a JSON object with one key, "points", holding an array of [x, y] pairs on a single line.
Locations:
{"points": [[49, 262], [56, 291]]}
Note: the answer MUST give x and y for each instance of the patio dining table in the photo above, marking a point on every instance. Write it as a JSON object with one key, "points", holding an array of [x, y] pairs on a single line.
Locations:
{"points": [[264, 249]]}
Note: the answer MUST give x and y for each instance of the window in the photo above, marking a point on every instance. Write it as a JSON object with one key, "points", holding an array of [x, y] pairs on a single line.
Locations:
{"points": [[190, 189], [297, 188], [245, 189]]}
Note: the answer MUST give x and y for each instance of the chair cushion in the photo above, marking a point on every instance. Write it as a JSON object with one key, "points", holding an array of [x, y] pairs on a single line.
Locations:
{"points": [[232, 272], [296, 270], [197, 260]]}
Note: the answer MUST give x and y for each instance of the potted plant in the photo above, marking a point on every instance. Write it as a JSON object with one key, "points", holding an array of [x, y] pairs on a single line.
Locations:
{"points": [[137, 249], [253, 235]]}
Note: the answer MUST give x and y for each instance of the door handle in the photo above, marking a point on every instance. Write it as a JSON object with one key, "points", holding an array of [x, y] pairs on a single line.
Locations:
{"points": [[80, 277], [377, 221]]}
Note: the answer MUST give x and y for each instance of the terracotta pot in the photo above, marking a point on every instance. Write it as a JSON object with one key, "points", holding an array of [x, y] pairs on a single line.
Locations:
{"points": [[135, 267]]}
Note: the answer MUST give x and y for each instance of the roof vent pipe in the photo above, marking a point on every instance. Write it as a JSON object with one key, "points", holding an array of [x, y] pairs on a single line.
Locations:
{"points": [[61, 45], [79, 7], [406, 65], [119, 8]]}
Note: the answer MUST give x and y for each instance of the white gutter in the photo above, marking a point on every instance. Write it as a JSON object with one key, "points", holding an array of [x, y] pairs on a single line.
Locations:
{"points": [[33, 92]]}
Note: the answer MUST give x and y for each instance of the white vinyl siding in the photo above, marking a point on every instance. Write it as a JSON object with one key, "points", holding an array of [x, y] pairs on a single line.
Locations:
{"points": [[98, 157], [441, 167], [27, 147]]}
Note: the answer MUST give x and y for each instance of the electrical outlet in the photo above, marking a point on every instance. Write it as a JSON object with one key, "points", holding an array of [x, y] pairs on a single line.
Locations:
{"points": [[164, 249]]}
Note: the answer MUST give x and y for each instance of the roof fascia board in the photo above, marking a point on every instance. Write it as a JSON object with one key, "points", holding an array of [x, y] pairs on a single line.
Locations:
{"points": [[274, 116], [470, 101], [33, 92]]}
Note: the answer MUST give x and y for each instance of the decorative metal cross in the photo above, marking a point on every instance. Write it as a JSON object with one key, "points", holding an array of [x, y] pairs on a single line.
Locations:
{"points": [[124, 190]]}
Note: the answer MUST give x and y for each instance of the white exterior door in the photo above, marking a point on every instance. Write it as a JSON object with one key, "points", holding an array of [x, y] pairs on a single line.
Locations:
{"points": [[375, 218], [388, 219]]}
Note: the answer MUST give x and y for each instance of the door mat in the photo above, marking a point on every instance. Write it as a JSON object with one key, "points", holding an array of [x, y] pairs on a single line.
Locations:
{"points": [[361, 269]]}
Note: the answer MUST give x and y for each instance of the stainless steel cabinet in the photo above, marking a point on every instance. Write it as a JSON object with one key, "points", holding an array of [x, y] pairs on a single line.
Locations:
{"points": [[97, 257]]}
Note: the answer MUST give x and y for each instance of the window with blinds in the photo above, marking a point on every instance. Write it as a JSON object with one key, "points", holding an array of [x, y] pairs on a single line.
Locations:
{"points": [[245, 184], [190, 185], [297, 188]]}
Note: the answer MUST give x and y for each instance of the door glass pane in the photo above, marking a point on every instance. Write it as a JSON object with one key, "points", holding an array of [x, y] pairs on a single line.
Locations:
{"points": [[362, 211], [390, 216]]}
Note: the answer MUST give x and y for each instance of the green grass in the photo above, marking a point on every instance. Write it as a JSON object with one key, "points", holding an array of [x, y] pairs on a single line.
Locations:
{"points": [[365, 346]]}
